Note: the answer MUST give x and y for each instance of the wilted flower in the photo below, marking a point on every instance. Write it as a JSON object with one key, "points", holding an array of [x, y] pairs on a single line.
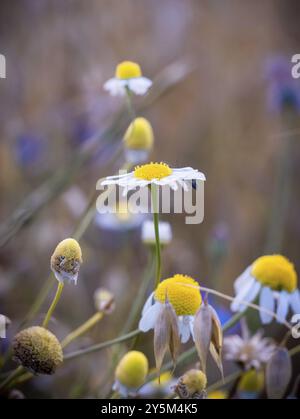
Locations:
{"points": [[148, 233], [251, 383], [128, 77], [192, 385], [138, 140], [66, 260], [183, 293], [155, 173], [38, 350], [208, 335], [274, 279], [104, 301], [251, 351], [278, 373], [131, 373]]}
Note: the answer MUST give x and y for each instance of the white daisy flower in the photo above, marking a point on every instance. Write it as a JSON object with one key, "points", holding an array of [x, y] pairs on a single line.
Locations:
{"points": [[155, 173], [183, 294], [273, 280], [128, 77], [252, 351], [148, 232]]}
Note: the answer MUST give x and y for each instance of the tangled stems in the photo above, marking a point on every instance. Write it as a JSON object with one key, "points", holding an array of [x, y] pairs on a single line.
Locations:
{"points": [[154, 193], [53, 304]]}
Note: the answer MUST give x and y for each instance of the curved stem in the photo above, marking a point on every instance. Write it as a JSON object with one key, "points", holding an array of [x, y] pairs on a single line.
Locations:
{"points": [[82, 329], [103, 345], [154, 193], [18, 371], [53, 305]]}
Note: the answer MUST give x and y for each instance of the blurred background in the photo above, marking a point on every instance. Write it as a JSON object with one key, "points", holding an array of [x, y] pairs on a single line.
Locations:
{"points": [[223, 102]]}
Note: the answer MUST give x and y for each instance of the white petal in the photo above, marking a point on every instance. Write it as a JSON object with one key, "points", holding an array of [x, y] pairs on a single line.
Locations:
{"points": [[266, 301], [149, 318], [139, 85], [295, 301], [241, 296], [242, 279], [283, 306], [184, 328], [148, 303], [115, 87], [251, 295]]}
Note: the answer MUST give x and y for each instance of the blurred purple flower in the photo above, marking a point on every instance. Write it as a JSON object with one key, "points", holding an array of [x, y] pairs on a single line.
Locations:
{"points": [[29, 149], [283, 91]]}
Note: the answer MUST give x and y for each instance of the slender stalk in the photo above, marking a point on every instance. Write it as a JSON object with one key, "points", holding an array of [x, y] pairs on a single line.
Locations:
{"points": [[100, 346], [154, 192], [129, 104], [53, 304], [14, 374], [227, 380], [82, 329]]}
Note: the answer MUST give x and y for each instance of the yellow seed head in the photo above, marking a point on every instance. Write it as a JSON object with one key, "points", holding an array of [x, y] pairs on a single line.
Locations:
{"points": [[139, 135], [152, 171], [252, 381], [182, 292], [67, 258], [128, 70], [132, 369], [276, 272], [38, 350], [195, 381]]}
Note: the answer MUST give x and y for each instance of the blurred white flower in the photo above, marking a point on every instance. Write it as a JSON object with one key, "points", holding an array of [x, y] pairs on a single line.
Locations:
{"points": [[148, 232]]}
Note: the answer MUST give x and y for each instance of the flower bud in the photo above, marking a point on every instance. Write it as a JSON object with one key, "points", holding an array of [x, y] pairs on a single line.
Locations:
{"points": [[139, 135], [66, 260], [192, 385], [38, 350], [104, 301], [132, 370]]}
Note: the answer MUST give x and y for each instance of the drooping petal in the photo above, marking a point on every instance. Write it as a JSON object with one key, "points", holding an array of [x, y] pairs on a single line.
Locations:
{"points": [[251, 296], [283, 306], [242, 295], [267, 302], [148, 303], [295, 301], [184, 328], [242, 280], [149, 318]]}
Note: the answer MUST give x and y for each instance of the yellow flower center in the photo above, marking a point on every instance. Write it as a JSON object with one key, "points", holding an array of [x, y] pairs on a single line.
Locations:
{"points": [[132, 369], [182, 292], [276, 272], [128, 70], [152, 171], [139, 135], [252, 381]]}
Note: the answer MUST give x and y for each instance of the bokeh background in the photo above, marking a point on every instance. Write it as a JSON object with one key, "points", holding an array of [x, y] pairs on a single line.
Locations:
{"points": [[223, 102]]}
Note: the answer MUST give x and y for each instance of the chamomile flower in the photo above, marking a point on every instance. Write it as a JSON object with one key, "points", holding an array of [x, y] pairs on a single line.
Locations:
{"points": [[66, 260], [138, 141], [155, 173], [128, 77], [131, 373], [273, 279], [183, 293], [148, 232]]}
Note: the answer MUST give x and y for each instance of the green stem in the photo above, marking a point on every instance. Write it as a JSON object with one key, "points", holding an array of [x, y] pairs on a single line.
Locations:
{"points": [[130, 105], [100, 346], [18, 371], [82, 329], [53, 305], [154, 192]]}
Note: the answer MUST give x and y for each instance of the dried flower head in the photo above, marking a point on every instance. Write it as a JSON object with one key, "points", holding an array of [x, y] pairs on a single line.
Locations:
{"points": [[38, 350], [251, 351], [131, 372], [192, 385], [66, 260], [104, 301]]}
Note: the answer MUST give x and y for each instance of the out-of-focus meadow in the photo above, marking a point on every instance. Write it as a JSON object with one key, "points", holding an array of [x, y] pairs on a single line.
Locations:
{"points": [[214, 65]]}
